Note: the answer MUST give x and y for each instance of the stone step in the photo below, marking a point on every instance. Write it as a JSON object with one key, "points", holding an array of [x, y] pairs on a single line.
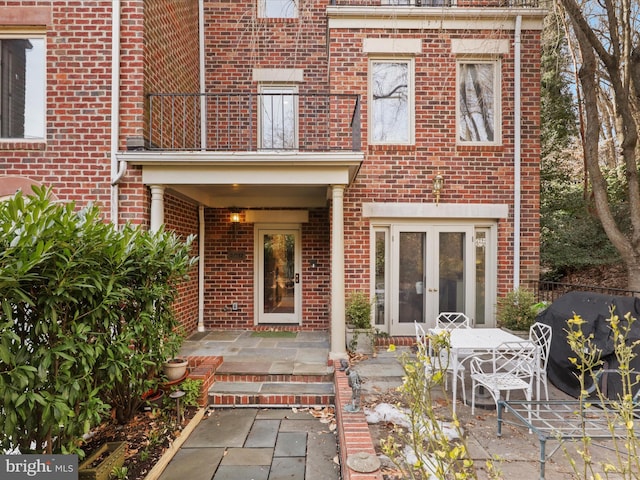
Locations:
{"points": [[272, 394], [265, 371]]}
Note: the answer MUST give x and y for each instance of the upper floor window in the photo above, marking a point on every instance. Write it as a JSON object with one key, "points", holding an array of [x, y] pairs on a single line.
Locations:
{"points": [[279, 117], [278, 8], [478, 102], [391, 101], [22, 87]]}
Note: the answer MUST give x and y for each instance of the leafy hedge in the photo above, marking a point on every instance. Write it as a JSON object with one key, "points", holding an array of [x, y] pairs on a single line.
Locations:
{"points": [[86, 319]]}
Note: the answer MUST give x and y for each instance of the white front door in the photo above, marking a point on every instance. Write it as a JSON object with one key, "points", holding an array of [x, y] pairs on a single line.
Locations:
{"points": [[278, 275], [433, 271]]}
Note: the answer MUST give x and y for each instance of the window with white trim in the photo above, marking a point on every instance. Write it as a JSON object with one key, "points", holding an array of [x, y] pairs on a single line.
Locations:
{"points": [[278, 117], [478, 101], [22, 87], [391, 101], [278, 9]]}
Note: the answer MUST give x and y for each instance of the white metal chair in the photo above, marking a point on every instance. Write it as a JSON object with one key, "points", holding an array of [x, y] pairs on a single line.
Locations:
{"points": [[540, 334], [438, 362], [509, 367], [453, 320]]}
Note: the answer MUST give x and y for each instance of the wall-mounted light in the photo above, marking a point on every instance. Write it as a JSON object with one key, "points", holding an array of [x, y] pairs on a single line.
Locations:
{"points": [[234, 218], [438, 183], [313, 263]]}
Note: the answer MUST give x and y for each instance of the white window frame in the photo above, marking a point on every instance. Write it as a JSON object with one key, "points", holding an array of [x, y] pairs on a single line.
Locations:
{"points": [[35, 96], [496, 104], [410, 120], [285, 89], [268, 8]]}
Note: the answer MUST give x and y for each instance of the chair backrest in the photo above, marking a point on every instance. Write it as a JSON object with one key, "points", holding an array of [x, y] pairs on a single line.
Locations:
{"points": [[540, 334], [515, 358], [452, 320], [421, 336]]}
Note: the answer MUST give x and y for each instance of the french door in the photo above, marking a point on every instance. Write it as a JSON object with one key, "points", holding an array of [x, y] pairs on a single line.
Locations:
{"points": [[278, 277], [432, 270]]}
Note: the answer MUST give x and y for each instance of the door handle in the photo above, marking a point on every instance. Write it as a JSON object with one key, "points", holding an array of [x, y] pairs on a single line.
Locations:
{"points": [[297, 278]]}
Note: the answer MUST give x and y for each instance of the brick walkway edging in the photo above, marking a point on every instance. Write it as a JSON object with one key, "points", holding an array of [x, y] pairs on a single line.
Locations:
{"points": [[353, 431]]}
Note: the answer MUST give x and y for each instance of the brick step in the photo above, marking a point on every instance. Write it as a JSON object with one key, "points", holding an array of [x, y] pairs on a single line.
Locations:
{"points": [[272, 394]]}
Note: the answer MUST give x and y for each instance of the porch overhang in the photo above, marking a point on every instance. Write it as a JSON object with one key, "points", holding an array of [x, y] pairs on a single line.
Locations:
{"points": [[248, 179]]}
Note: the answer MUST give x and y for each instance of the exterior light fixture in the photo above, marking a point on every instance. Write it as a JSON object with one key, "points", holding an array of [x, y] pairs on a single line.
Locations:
{"points": [[438, 183], [234, 218]]}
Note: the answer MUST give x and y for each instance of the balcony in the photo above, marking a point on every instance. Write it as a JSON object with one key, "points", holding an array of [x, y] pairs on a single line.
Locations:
{"points": [[263, 122]]}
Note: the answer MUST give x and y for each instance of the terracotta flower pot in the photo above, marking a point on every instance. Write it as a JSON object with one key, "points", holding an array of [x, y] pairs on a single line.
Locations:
{"points": [[175, 368]]}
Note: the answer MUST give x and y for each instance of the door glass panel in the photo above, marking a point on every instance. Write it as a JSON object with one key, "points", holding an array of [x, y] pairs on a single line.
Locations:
{"points": [[381, 251], [481, 276], [279, 270], [451, 263], [411, 277]]}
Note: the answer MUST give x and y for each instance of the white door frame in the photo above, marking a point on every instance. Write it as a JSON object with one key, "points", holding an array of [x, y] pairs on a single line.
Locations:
{"points": [[281, 318], [430, 288]]}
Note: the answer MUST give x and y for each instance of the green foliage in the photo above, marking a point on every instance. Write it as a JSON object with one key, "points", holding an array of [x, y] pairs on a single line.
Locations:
{"points": [[192, 389], [557, 110], [517, 310], [624, 462], [147, 332], [119, 473], [571, 235], [358, 310], [81, 316]]}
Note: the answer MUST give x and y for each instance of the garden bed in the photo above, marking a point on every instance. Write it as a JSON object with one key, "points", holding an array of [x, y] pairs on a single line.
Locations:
{"points": [[148, 436]]}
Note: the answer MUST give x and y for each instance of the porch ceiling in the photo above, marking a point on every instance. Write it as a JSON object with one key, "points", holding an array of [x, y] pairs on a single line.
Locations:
{"points": [[248, 180]]}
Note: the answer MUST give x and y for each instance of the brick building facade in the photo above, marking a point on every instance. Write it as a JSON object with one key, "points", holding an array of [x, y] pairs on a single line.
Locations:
{"points": [[314, 148]]}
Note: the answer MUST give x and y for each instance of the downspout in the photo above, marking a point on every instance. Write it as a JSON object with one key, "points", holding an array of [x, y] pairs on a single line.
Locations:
{"points": [[203, 138], [117, 171], [203, 100], [201, 226], [517, 139]]}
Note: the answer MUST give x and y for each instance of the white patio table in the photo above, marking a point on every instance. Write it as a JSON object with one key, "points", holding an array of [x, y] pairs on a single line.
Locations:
{"points": [[468, 341]]}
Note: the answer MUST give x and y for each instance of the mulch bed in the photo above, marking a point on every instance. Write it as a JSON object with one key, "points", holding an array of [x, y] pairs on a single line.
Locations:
{"points": [[148, 436]]}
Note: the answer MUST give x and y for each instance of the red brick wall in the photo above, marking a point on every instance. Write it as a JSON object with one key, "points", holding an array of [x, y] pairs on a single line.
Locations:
{"points": [[75, 159], [172, 64], [237, 42], [472, 174], [181, 217], [229, 280]]}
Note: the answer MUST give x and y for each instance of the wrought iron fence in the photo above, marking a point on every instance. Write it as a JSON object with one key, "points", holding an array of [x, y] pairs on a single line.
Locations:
{"points": [[550, 291], [253, 122]]}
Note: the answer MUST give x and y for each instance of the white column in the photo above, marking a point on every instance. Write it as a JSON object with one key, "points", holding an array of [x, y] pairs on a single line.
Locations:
{"points": [[157, 207], [338, 341]]}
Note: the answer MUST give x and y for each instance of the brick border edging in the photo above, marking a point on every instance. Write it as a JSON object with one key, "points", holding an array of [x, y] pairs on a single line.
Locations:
{"points": [[353, 431], [203, 367]]}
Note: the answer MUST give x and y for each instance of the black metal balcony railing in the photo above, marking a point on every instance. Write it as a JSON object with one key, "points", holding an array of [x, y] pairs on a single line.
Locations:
{"points": [[441, 3], [252, 122]]}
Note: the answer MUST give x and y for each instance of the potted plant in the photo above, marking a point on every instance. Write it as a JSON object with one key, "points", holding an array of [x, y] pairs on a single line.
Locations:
{"points": [[175, 369], [360, 333]]}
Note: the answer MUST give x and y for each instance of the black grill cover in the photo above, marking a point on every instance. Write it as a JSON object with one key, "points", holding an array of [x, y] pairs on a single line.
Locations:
{"points": [[595, 310]]}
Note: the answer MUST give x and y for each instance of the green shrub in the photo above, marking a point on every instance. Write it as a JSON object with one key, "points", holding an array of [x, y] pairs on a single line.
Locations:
{"points": [[86, 319], [358, 310], [518, 309]]}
